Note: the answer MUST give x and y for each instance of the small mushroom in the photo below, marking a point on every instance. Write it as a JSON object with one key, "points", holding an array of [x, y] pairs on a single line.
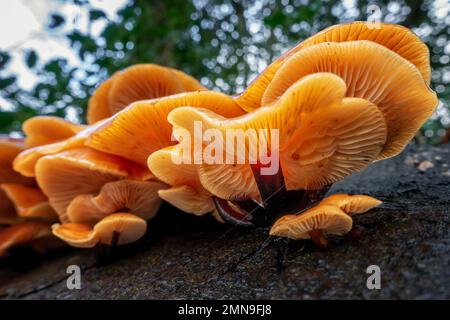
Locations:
{"points": [[118, 228], [186, 192], [22, 233], [29, 202], [403, 96], [138, 82], [142, 128], [9, 149], [75, 172], [42, 130], [351, 204], [394, 37], [315, 224]]}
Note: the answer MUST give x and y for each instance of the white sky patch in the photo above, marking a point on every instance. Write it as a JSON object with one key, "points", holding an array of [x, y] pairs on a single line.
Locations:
{"points": [[23, 26]]}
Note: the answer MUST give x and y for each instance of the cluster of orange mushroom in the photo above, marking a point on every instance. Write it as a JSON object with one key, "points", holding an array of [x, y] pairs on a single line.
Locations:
{"points": [[341, 100]]}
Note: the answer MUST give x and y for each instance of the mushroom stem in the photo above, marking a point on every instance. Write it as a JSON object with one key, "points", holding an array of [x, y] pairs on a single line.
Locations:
{"points": [[318, 238]]}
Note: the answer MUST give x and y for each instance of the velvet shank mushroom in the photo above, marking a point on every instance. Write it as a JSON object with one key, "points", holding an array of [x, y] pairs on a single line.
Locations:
{"points": [[138, 82], [393, 37]]}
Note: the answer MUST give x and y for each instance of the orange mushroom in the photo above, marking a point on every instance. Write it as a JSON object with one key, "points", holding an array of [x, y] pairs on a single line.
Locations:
{"points": [[23, 233], [81, 171], [323, 137], [142, 128], [186, 192], [383, 77], [394, 37], [351, 204], [313, 224], [25, 162], [43, 130], [29, 202], [138, 82]]}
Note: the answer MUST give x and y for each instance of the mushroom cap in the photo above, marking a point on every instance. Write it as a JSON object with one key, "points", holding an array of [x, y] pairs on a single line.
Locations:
{"points": [[9, 149], [394, 37], [142, 128], [186, 192], [22, 233], [25, 162], [7, 211], [74, 172], [323, 137], [351, 204], [129, 227], [139, 197], [43, 130], [328, 219], [383, 77], [29, 202], [138, 82]]}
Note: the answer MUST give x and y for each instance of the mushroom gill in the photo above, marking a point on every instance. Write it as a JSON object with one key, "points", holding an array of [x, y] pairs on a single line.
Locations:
{"points": [[323, 137], [138, 82], [142, 128], [382, 77], [314, 224], [23, 233], [396, 38]]}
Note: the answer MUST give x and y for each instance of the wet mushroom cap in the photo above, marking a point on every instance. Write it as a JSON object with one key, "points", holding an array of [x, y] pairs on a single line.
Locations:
{"points": [[323, 137], [9, 149], [351, 204], [138, 82], [65, 175], [383, 77], [328, 219], [76, 234], [396, 38], [43, 130], [142, 128]]}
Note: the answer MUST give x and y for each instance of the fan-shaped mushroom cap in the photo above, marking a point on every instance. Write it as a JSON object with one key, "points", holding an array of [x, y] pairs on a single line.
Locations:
{"points": [[394, 37], [43, 130], [22, 233], [128, 227], [323, 137], [139, 197], [29, 202], [26, 161], [9, 149], [351, 204], [65, 175], [142, 128], [328, 219], [138, 82], [382, 77], [186, 192]]}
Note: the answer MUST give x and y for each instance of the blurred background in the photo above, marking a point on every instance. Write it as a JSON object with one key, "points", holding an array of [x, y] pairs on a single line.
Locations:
{"points": [[53, 53]]}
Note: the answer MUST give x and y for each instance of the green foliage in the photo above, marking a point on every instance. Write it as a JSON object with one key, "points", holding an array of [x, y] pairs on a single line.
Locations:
{"points": [[223, 43]]}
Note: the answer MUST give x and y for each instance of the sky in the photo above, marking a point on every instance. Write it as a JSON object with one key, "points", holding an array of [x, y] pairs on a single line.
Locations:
{"points": [[23, 24]]}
